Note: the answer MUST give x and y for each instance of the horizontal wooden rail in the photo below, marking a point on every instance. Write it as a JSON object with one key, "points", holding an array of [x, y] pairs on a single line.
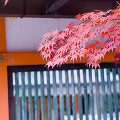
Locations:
{"points": [[16, 59]]}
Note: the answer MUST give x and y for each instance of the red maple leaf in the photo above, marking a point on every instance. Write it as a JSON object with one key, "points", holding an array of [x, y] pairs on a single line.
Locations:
{"points": [[92, 36]]}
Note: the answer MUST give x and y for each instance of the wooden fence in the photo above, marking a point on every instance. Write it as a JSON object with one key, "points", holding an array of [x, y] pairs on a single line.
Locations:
{"points": [[84, 94]]}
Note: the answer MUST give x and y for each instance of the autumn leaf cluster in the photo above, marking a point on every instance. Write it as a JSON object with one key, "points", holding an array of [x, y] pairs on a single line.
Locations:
{"points": [[92, 35]]}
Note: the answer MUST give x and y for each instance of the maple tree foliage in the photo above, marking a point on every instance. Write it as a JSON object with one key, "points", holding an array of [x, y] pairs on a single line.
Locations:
{"points": [[91, 36]]}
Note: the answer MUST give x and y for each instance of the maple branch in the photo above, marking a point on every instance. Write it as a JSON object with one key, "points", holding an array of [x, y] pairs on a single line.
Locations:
{"points": [[91, 36], [118, 3]]}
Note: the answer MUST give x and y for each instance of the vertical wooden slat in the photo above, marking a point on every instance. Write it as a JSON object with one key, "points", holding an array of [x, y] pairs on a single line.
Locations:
{"points": [[36, 97], [91, 95], [24, 111], [109, 95], [119, 88], [30, 97], [67, 95], [73, 95], [115, 94], [17, 100], [103, 95], [119, 84], [97, 95], [80, 96], [61, 96], [42, 96], [49, 96], [55, 96], [119, 78], [85, 95]]}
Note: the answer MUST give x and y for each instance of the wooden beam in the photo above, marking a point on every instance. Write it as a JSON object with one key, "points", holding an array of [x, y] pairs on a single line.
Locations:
{"points": [[57, 5], [16, 59], [2, 35], [38, 16]]}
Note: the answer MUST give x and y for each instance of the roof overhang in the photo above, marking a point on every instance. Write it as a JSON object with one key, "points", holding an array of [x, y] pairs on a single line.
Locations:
{"points": [[53, 8]]}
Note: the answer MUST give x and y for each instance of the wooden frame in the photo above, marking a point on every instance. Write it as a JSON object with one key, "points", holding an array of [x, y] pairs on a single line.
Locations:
{"points": [[29, 68]]}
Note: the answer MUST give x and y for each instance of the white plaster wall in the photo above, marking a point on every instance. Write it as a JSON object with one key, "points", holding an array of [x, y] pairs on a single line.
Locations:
{"points": [[25, 34]]}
